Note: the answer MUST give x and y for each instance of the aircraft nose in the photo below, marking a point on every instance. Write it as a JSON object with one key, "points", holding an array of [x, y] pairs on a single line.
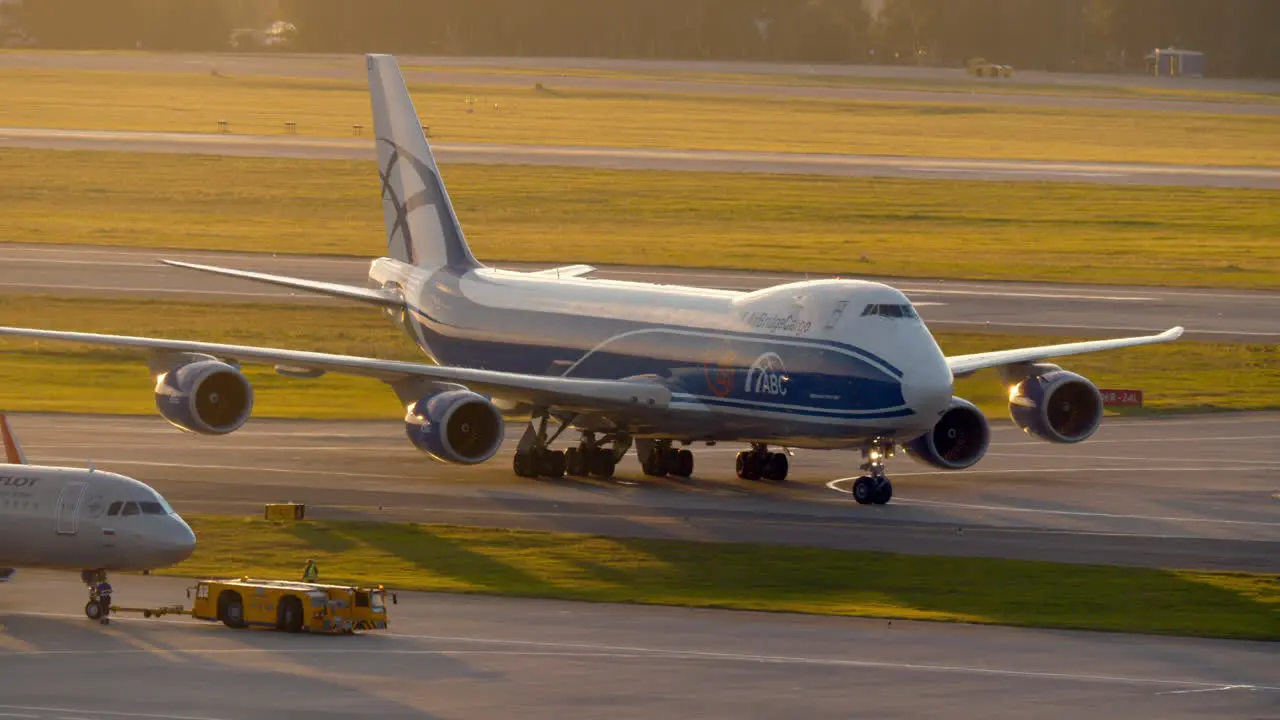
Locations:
{"points": [[929, 391], [179, 540]]}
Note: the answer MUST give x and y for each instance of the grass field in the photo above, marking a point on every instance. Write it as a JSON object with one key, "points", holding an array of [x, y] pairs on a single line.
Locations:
{"points": [[520, 113], [744, 577], [1183, 376], [1135, 88], [864, 226]]}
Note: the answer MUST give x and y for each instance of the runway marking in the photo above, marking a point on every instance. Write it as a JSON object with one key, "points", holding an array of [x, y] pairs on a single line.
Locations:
{"points": [[879, 664], [833, 485], [110, 713], [103, 288], [1204, 690], [1134, 458], [1043, 295], [1124, 328], [603, 650]]}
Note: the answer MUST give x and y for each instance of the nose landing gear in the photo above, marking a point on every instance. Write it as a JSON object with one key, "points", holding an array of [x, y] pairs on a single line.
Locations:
{"points": [[874, 487], [99, 605]]}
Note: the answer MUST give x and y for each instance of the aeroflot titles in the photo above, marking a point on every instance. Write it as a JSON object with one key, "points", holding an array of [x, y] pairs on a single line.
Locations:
{"points": [[10, 481]]}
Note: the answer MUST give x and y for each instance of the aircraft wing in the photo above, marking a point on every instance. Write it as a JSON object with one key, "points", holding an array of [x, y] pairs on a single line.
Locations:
{"points": [[567, 271], [563, 392], [964, 364], [350, 292]]}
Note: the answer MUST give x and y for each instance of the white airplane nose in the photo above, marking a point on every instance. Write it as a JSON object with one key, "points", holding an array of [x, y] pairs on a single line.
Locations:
{"points": [[928, 393], [180, 540]]}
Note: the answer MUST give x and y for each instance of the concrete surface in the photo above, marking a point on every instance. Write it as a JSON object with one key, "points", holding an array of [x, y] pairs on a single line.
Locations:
{"points": [[478, 657], [654, 159], [1085, 310], [1194, 492]]}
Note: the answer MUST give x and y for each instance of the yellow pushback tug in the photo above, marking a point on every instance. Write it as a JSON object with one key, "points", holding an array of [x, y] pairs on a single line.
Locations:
{"points": [[285, 605]]}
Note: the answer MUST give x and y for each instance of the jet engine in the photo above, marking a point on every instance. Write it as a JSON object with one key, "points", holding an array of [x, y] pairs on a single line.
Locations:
{"points": [[207, 396], [1056, 405], [957, 441], [458, 426]]}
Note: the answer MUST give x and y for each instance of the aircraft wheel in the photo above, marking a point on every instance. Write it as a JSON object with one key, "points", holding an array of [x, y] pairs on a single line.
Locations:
{"points": [[522, 463], [552, 463], [574, 462], [775, 468], [864, 490], [654, 464], [884, 491], [92, 610], [683, 464], [603, 464]]}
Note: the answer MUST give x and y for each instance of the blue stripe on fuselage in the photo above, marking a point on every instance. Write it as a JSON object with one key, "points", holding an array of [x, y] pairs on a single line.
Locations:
{"points": [[812, 378]]}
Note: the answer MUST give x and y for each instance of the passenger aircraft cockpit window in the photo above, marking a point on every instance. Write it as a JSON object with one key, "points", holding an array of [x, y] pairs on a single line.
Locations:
{"points": [[130, 508], [115, 508], [890, 310], [152, 508]]}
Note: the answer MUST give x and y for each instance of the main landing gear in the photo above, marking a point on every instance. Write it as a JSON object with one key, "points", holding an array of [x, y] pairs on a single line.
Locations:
{"points": [[99, 605], [874, 487], [758, 463], [658, 459], [592, 456]]}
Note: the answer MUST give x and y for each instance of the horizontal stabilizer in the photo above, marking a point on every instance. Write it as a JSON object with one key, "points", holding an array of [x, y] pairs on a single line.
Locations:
{"points": [[350, 292]]}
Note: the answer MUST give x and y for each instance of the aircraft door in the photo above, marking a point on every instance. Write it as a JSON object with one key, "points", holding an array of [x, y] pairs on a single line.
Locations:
{"points": [[69, 507]]}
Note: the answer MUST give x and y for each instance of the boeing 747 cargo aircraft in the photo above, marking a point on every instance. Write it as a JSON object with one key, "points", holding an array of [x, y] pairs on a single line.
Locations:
{"points": [[62, 518], [822, 364]]}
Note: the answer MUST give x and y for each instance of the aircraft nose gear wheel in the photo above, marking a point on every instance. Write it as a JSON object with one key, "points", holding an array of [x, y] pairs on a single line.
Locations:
{"points": [[874, 488], [758, 463], [99, 605]]}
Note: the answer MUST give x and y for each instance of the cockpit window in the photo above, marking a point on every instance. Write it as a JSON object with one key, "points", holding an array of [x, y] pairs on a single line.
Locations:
{"points": [[115, 508], [152, 508], [130, 508], [889, 310]]}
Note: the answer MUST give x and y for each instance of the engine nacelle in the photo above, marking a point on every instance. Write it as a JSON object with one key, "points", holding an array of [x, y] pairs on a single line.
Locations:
{"points": [[208, 397], [455, 426], [1057, 406], [957, 441]]}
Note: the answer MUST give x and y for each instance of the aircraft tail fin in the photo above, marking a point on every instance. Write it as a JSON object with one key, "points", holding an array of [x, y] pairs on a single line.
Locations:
{"points": [[12, 450], [422, 228]]}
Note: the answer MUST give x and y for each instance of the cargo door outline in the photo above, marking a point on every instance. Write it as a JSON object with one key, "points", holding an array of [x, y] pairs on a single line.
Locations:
{"points": [[68, 519]]}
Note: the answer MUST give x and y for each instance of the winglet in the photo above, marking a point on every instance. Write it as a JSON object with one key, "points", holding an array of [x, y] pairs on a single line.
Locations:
{"points": [[12, 450]]}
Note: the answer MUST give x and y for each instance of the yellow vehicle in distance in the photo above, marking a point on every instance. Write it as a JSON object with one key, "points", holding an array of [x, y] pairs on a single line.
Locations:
{"points": [[290, 606], [980, 67]]}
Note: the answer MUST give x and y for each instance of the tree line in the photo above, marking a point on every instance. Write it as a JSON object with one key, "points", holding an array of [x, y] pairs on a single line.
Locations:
{"points": [[1238, 36]]}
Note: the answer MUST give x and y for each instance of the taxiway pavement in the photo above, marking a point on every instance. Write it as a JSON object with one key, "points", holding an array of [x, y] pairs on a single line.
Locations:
{"points": [[1191, 492], [483, 657], [941, 85], [619, 158], [1077, 310]]}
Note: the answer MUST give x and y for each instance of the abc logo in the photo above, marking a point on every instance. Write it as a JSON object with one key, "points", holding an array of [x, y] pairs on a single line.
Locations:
{"points": [[767, 376]]}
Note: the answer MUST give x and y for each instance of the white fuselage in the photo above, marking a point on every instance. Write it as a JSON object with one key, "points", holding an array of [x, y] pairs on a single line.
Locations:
{"points": [[822, 363], [66, 518]]}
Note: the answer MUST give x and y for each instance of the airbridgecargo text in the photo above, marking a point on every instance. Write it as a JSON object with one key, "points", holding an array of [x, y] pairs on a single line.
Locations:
{"points": [[777, 323]]}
